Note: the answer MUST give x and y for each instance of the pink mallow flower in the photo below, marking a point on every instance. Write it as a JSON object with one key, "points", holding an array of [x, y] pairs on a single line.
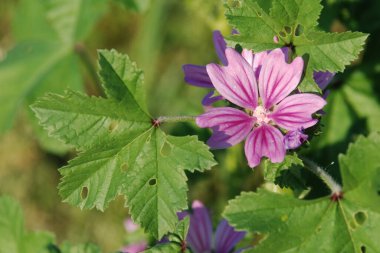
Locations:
{"points": [[264, 119], [200, 237], [197, 75]]}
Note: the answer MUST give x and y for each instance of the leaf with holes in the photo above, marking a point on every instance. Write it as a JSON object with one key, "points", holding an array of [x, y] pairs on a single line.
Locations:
{"points": [[351, 224], [46, 34], [294, 23], [13, 236], [122, 152]]}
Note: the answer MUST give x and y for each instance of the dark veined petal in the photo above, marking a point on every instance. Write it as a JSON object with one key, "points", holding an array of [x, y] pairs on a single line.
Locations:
{"points": [[323, 78], [220, 46], [235, 82], [197, 76], [266, 141], [230, 126], [226, 237], [199, 237], [295, 111], [209, 99], [277, 78]]}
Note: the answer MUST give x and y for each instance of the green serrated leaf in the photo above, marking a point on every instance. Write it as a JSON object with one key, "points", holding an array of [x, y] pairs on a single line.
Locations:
{"points": [[256, 28], [13, 237], [272, 170], [121, 151], [121, 78], [165, 248], [350, 224], [181, 230], [44, 52], [293, 13], [330, 51]]}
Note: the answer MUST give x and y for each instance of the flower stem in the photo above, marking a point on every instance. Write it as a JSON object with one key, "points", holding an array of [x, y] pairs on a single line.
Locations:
{"points": [[163, 119], [336, 189]]}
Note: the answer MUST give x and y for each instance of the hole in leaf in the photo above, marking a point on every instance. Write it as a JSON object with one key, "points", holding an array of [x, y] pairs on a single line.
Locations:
{"points": [[152, 182], [299, 30], [84, 193], [288, 29], [166, 149], [113, 125], [363, 249], [360, 217], [124, 167], [282, 34], [259, 14]]}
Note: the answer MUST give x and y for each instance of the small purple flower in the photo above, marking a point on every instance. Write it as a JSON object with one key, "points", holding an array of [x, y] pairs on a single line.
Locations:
{"points": [[294, 139], [200, 236], [264, 118]]}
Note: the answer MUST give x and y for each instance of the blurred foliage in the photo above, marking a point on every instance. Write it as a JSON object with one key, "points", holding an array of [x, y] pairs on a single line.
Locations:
{"points": [[160, 36]]}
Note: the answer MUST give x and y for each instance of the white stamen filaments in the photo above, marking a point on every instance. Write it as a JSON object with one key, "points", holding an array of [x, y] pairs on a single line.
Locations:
{"points": [[261, 115]]}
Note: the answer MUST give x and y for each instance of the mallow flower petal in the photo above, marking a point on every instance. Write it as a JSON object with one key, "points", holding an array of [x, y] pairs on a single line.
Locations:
{"points": [[209, 99], [278, 78], [230, 126], [255, 60], [323, 78], [295, 111], [236, 82], [197, 76], [220, 46], [199, 237], [226, 237], [265, 140]]}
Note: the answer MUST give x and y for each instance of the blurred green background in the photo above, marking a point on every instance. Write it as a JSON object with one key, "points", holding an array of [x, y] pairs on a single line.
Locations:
{"points": [[40, 52]]}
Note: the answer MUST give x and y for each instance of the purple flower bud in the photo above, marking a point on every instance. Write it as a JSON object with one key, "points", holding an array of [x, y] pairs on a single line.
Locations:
{"points": [[294, 139]]}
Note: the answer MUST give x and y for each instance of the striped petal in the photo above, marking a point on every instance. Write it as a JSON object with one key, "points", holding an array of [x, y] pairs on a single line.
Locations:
{"points": [[226, 237], [220, 46], [199, 237], [323, 78], [230, 126], [197, 76], [266, 141], [235, 82], [295, 112], [209, 99], [277, 78]]}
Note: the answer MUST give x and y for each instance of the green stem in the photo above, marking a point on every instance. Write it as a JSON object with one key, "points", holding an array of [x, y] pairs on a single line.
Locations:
{"points": [[163, 119], [336, 189], [80, 49]]}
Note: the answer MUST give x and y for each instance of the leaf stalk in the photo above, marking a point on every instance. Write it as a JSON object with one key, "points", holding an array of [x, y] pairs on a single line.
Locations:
{"points": [[336, 189]]}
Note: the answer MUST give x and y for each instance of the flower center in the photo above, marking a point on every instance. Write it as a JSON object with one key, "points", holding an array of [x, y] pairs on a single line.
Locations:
{"points": [[261, 115]]}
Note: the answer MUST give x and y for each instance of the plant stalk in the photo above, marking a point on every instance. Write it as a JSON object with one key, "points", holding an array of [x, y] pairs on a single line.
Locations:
{"points": [[336, 189], [163, 119]]}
